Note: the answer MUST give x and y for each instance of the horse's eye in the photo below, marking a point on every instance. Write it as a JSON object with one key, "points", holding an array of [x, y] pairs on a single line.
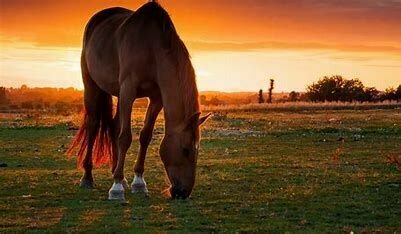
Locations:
{"points": [[186, 152]]}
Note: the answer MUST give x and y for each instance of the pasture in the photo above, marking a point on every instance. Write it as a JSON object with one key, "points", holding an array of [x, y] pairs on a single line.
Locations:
{"points": [[258, 170]]}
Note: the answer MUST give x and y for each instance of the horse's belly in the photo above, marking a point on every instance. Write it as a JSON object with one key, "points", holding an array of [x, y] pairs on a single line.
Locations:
{"points": [[103, 71]]}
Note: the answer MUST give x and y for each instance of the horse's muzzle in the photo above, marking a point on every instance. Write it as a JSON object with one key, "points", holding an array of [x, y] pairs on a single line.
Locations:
{"points": [[179, 193]]}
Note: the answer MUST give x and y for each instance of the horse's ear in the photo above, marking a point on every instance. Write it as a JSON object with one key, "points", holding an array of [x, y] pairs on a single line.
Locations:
{"points": [[203, 119], [193, 121], [196, 121]]}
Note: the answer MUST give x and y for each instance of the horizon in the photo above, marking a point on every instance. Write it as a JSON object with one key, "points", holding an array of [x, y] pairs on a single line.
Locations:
{"points": [[265, 91], [294, 43]]}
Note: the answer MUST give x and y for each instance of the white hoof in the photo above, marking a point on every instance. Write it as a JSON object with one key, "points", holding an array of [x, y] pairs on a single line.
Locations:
{"points": [[139, 185], [116, 192]]}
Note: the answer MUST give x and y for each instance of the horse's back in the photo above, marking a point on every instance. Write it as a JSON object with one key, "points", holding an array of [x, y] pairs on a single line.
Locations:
{"points": [[101, 57], [103, 15], [119, 41]]}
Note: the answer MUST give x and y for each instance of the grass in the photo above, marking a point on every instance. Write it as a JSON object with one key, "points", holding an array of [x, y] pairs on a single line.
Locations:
{"points": [[301, 171], [306, 106]]}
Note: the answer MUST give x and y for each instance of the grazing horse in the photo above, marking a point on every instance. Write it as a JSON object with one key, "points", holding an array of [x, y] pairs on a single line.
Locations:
{"points": [[131, 55]]}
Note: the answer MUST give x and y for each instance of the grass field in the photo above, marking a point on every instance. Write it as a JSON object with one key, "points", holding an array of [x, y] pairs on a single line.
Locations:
{"points": [[258, 170]]}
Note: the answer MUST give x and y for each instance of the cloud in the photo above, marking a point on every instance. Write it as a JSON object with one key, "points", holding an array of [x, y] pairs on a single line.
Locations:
{"points": [[384, 66], [276, 45], [349, 25]]}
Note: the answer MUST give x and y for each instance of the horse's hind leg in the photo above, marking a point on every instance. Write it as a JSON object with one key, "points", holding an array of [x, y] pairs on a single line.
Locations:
{"points": [[92, 128], [139, 184], [92, 124]]}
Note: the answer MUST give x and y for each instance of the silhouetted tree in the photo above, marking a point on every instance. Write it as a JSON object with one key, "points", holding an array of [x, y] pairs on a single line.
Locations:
{"points": [[371, 94], [389, 94], [336, 88], [326, 89], [293, 97], [261, 99], [398, 93], [352, 90], [269, 99], [3, 96]]}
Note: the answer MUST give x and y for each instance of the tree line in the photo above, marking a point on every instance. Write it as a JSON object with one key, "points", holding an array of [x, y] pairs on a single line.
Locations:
{"points": [[338, 89]]}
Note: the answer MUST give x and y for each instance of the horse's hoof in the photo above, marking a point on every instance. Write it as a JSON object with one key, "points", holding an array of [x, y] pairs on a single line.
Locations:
{"points": [[86, 184], [116, 192], [139, 185]]}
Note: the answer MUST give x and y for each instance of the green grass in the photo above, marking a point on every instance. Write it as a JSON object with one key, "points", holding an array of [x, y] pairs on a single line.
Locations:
{"points": [[257, 171]]}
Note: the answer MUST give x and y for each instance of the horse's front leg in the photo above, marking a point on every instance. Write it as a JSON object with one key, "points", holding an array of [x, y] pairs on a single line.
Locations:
{"points": [[139, 185], [114, 137], [124, 139]]}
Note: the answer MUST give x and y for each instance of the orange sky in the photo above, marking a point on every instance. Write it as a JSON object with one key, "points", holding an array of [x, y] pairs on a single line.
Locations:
{"points": [[241, 41]]}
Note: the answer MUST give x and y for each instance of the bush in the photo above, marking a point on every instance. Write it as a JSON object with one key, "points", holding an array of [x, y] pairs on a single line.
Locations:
{"points": [[294, 97]]}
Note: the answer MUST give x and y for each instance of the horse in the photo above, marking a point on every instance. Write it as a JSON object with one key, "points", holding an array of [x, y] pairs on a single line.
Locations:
{"points": [[137, 54]]}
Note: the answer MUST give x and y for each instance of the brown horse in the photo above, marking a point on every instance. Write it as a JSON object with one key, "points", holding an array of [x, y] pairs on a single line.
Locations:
{"points": [[132, 55]]}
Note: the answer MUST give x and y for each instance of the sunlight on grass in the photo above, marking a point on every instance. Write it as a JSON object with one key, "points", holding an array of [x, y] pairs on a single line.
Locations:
{"points": [[257, 171]]}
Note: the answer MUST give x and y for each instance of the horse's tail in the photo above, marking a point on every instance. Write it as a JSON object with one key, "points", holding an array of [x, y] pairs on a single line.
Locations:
{"points": [[102, 148], [98, 121]]}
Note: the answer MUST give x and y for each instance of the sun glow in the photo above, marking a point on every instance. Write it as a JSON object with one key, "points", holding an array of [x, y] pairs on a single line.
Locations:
{"points": [[216, 70], [234, 47], [39, 66]]}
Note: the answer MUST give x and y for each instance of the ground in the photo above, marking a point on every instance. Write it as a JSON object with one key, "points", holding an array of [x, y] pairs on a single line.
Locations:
{"points": [[258, 170]]}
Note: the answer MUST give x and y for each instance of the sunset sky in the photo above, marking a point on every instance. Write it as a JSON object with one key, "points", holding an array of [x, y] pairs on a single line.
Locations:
{"points": [[236, 45]]}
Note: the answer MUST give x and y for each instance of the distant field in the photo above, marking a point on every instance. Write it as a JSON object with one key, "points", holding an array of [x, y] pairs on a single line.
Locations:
{"points": [[306, 106], [307, 170]]}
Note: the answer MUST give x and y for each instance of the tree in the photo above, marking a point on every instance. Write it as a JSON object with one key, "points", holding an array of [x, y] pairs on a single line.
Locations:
{"points": [[326, 89], [398, 93], [293, 97], [336, 88], [3, 96], [261, 99], [371, 94], [352, 90], [389, 94], [269, 99]]}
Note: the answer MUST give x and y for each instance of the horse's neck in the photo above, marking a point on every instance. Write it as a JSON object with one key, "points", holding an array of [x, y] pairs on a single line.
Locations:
{"points": [[177, 109]]}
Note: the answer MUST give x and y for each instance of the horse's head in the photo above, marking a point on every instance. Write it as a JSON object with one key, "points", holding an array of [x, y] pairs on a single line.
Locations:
{"points": [[179, 153]]}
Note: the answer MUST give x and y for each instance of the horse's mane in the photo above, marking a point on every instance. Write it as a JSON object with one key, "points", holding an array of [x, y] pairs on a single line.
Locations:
{"points": [[187, 76], [179, 53]]}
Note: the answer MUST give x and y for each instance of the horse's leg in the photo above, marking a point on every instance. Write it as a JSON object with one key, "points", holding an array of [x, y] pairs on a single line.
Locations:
{"points": [[92, 123], [139, 184], [115, 133], [114, 137], [126, 98]]}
